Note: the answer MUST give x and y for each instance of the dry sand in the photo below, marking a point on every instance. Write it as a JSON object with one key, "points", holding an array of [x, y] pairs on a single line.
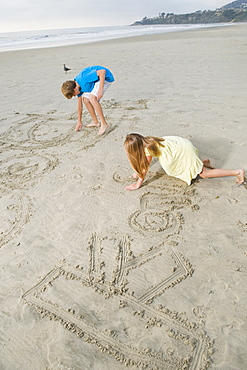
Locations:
{"points": [[154, 278]]}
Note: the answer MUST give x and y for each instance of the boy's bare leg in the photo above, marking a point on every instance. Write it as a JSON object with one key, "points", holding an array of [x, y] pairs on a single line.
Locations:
{"points": [[91, 111], [207, 173], [79, 114], [95, 103]]}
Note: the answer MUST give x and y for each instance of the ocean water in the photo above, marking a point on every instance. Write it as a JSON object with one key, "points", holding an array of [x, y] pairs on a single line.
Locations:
{"points": [[72, 36]]}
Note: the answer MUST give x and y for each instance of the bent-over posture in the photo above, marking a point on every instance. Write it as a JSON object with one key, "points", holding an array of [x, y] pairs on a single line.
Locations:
{"points": [[177, 156], [89, 86]]}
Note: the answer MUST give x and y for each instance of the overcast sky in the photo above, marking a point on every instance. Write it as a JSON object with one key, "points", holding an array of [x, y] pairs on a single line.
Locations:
{"points": [[21, 15]]}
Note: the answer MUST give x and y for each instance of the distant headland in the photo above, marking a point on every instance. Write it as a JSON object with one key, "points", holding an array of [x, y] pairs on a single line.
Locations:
{"points": [[229, 13]]}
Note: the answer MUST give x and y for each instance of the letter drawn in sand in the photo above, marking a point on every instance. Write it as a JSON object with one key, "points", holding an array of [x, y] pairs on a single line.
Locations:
{"points": [[15, 213]]}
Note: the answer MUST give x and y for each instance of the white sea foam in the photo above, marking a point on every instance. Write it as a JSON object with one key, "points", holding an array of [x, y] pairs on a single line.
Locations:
{"points": [[50, 38]]}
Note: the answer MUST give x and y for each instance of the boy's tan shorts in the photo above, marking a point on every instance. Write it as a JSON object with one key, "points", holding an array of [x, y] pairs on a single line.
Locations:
{"points": [[96, 89]]}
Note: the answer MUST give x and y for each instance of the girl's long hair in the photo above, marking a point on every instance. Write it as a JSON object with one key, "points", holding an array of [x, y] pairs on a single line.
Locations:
{"points": [[135, 145]]}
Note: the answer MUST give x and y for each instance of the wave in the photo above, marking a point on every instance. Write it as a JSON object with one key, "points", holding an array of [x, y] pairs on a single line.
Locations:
{"points": [[62, 37]]}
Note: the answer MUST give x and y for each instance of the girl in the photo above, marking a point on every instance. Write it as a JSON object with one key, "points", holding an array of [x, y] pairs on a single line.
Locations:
{"points": [[177, 156]]}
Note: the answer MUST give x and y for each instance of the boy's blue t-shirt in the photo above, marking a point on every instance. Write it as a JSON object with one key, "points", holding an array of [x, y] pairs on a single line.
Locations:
{"points": [[88, 77]]}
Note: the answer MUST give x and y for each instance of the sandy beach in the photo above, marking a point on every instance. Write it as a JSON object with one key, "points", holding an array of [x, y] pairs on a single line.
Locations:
{"points": [[96, 277]]}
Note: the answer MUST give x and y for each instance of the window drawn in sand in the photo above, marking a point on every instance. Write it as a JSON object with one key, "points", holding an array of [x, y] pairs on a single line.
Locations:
{"points": [[112, 262], [110, 297]]}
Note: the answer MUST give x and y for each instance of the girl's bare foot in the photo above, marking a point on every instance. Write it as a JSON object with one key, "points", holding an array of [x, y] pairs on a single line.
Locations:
{"points": [[207, 164], [240, 177], [93, 124]]}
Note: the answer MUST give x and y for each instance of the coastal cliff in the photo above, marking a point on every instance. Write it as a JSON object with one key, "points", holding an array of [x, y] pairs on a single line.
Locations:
{"points": [[232, 12]]}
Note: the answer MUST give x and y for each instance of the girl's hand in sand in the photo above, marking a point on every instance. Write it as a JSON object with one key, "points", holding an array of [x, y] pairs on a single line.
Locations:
{"points": [[137, 185], [132, 187]]}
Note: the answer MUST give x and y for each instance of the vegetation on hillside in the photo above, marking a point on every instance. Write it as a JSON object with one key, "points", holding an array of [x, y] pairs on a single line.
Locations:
{"points": [[206, 16], [239, 4]]}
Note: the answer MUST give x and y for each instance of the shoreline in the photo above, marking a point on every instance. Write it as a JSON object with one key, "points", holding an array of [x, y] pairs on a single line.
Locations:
{"points": [[74, 43], [166, 261], [134, 39]]}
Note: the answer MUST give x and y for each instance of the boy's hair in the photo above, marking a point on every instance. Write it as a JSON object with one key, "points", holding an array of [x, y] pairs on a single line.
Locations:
{"points": [[68, 88], [135, 145]]}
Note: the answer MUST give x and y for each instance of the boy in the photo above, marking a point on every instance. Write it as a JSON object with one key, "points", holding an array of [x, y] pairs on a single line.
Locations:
{"points": [[89, 87]]}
